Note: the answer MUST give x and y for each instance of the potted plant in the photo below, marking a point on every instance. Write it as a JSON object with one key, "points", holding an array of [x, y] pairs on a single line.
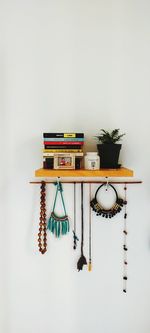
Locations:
{"points": [[108, 148]]}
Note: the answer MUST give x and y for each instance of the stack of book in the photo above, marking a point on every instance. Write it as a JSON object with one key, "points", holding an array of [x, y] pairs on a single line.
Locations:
{"points": [[59, 144]]}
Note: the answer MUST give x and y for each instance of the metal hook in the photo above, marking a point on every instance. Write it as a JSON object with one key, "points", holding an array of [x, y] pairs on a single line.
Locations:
{"points": [[107, 184], [58, 183]]}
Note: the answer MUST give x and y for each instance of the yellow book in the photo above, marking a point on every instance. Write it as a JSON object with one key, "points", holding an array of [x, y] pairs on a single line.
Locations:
{"points": [[62, 151]]}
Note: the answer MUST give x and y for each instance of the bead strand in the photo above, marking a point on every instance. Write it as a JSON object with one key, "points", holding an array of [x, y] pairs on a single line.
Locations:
{"points": [[42, 234]]}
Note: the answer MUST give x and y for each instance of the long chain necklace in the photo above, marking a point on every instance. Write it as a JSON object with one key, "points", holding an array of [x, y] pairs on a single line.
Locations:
{"points": [[82, 260], [125, 248], [42, 235], [90, 236], [75, 238]]}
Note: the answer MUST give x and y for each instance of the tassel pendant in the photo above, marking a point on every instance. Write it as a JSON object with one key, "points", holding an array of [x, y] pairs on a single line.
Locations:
{"points": [[58, 226], [89, 267]]}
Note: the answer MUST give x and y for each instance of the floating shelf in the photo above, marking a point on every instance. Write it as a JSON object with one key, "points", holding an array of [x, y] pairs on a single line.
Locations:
{"points": [[121, 172]]}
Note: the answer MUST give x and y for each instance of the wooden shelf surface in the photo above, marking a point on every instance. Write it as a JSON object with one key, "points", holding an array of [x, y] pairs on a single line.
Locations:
{"points": [[121, 172]]}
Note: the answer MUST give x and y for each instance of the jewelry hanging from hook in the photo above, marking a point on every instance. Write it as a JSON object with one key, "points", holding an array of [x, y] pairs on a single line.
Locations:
{"points": [[58, 225], [125, 247], [107, 213], [90, 234], [82, 260], [75, 238], [42, 235]]}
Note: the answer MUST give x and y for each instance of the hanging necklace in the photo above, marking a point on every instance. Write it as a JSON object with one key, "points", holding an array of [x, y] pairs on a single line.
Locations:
{"points": [[58, 225], [90, 236], [82, 260], [107, 213], [125, 248], [42, 235], [75, 238]]}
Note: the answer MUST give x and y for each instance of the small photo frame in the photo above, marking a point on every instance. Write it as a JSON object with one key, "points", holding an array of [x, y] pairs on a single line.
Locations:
{"points": [[64, 161]]}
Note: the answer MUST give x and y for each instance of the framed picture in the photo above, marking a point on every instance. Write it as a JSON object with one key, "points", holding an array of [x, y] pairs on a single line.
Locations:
{"points": [[64, 161]]}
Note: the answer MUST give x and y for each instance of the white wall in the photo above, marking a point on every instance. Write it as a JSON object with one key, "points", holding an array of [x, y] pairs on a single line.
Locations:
{"points": [[74, 66]]}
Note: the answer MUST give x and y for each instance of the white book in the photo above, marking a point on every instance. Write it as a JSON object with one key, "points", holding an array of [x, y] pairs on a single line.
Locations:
{"points": [[61, 154]]}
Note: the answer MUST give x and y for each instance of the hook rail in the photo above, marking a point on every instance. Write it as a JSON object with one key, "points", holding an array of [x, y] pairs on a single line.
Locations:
{"points": [[89, 182]]}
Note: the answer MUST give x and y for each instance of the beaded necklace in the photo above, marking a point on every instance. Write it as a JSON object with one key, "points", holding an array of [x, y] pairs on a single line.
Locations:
{"points": [[107, 213], [42, 235]]}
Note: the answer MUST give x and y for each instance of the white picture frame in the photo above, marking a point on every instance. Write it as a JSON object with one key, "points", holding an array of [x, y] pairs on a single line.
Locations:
{"points": [[64, 161]]}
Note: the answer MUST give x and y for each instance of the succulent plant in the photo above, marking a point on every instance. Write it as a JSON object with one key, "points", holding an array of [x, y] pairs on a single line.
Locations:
{"points": [[109, 137]]}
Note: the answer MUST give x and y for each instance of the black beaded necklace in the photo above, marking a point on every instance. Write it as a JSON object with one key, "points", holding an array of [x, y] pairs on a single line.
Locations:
{"points": [[107, 213]]}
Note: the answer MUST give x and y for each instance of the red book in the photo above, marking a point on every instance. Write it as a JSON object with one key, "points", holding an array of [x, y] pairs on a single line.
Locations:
{"points": [[66, 143]]}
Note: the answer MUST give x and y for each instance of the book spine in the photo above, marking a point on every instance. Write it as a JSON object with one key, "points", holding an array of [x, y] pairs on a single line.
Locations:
{"points": [[64, 140], [48, 163], [62, 151], [63, 143], [63, 135], [62, 147], [60, 154]]}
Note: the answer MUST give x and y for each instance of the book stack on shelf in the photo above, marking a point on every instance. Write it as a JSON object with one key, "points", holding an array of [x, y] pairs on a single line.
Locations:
{"points": [[63, 150]]}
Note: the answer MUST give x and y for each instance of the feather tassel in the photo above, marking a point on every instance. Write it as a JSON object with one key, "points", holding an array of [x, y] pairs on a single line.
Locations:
{"points": [[58, 230]]}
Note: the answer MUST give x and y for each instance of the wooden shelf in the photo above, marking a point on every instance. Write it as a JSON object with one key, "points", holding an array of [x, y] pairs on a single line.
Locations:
{"points": [[121, 172]]}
